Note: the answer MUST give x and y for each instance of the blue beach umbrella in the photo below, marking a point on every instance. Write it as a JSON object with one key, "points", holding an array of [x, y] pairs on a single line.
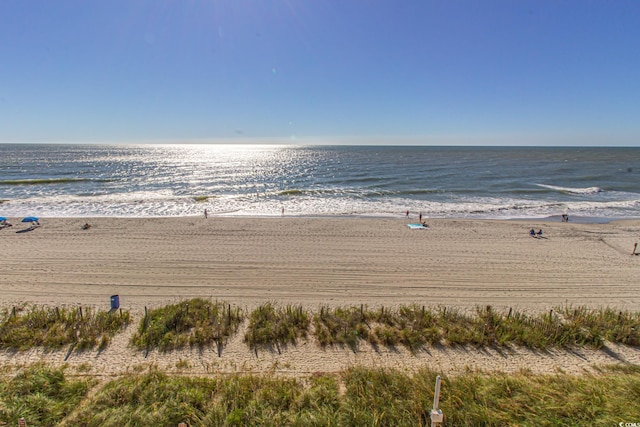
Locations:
{"points": [[2, 218], [30, 219]]}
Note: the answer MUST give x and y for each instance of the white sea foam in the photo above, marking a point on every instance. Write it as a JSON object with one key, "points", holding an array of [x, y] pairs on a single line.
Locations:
{"points": [[587, 190], [157, 205]]}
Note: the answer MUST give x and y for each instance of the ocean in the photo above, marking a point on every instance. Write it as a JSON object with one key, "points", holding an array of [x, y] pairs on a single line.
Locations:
{"points": [[50, 180]]}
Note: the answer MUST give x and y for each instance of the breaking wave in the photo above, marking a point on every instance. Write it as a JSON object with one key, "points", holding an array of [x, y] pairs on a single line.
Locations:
{"points": [[587, 190]]}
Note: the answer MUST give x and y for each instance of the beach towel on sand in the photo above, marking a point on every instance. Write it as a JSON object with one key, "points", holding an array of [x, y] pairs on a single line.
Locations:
{"points": [[416, 226]]}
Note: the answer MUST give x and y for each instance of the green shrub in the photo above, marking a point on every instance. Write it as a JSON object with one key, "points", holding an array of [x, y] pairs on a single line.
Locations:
{"points": [[53, 327], [41, 395], [276, 326], [195, 322]]}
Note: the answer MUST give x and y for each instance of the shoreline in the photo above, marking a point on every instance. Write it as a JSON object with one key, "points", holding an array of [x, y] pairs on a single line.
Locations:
{"points": [[577, 219]]}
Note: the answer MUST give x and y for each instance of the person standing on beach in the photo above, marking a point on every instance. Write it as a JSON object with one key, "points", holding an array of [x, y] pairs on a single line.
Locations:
{"points": [[206, 213]]}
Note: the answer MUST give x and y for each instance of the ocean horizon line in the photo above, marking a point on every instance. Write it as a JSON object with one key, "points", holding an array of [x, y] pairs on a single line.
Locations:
{"points": [[258, 142]]}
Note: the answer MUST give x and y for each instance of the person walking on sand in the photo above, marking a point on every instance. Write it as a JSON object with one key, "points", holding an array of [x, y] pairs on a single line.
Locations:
{"points": [[206, 213]]}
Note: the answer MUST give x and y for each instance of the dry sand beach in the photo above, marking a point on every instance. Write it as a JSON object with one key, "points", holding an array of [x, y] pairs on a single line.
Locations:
{"points": [[313, 261]]}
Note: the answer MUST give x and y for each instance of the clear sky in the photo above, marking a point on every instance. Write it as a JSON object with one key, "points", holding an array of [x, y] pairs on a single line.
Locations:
{"points": [[323, 71]]}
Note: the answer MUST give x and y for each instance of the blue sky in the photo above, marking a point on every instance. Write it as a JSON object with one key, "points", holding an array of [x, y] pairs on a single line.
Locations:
{"points": [[355, 71]]}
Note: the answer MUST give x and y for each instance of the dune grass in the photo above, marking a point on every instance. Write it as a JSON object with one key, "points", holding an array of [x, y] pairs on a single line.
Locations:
{"points": [[384, 397], [622, 327], [25, 327], [414, 327], [344, 326], [196, 322], [271, 325], [488, 327], [155, 398], [367, 396], [42, 395], [358, 396]]}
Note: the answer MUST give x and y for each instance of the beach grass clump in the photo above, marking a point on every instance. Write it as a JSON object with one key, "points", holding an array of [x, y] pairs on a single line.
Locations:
{"points": [[410, 326], [518, 328], [414, 327], [391, 397], [343, 326], [148, 399], [382, 397], [490, 328], [554, 399], [617, 326], [22, 328], [487, 327], [366, 396], [456, 327], [42, 395], [271, 325], [155, 398], [196, 322]]}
